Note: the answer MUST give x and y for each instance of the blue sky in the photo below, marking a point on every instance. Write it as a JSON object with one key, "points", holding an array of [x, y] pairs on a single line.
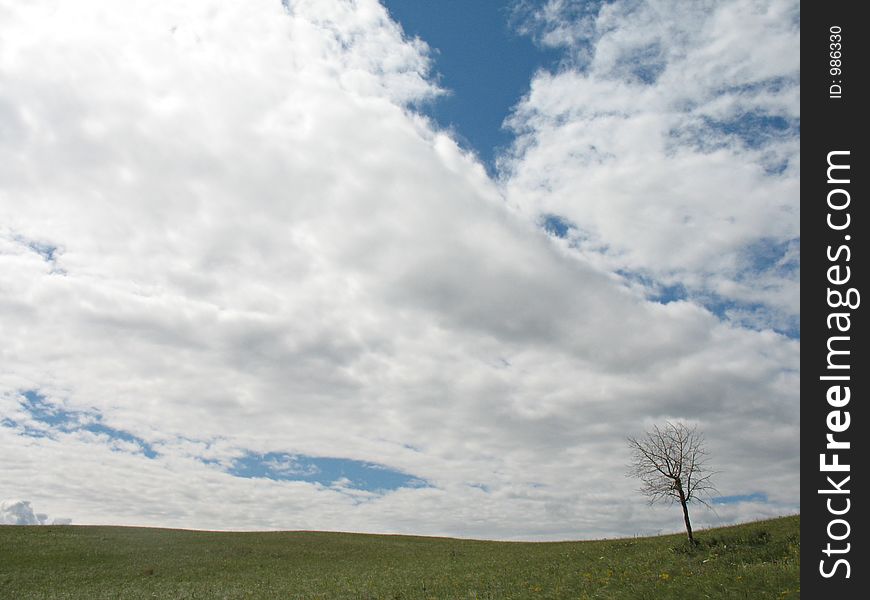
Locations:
{"points": [[323, 470], [486, 64], [252, 278], [45, 419], [755, 497], [50, 419], [483, 62]]}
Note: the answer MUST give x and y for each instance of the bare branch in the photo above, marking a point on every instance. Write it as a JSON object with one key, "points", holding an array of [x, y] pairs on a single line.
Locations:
{"points": [[671, 463]]}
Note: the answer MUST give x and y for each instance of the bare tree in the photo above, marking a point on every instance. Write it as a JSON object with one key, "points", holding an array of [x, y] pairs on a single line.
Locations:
{"points": [[671, 461]]}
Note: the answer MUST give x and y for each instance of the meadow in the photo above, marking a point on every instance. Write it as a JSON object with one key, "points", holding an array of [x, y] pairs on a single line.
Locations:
{"points": [[751, 561]]}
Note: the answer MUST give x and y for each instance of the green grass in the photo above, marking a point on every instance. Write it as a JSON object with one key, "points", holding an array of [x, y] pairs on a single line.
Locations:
{"points": [[756, 561]]}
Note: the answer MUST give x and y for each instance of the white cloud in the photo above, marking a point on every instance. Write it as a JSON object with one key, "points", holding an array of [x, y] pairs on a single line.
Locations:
{"points": [[260, 247], [19, 512], [671, 145]]}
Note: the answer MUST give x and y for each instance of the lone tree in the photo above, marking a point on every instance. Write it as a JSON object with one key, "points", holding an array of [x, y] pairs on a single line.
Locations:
{"points": [[671, 463]]}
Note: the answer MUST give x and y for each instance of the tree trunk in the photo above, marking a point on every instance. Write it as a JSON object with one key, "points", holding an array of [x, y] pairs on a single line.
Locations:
{"points": [[685, 506]]}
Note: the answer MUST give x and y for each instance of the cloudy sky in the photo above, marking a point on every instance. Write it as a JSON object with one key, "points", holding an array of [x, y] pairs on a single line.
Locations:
{"points": [[343, 265]]}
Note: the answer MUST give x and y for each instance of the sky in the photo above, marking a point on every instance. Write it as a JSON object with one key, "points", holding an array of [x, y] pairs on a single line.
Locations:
{"points": [[482, 62], [340, 265]]}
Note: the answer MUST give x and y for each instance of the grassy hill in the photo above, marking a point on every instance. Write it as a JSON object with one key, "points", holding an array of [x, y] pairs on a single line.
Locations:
{"points": [[757, 560]]}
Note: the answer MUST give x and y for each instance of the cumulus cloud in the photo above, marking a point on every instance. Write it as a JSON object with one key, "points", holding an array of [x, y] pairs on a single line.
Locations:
{"points": [[226, 232], [673, 146], [19, 512]]}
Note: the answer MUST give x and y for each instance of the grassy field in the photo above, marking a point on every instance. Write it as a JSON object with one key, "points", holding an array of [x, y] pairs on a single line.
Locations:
{"points": [[753, 561]]}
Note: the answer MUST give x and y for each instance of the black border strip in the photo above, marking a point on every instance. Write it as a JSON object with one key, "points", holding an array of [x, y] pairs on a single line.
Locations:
{"points": [[833, 246]]}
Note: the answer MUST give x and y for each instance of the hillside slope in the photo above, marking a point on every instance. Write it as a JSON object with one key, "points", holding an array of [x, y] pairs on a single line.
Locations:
{"points": [[757, 560]]}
